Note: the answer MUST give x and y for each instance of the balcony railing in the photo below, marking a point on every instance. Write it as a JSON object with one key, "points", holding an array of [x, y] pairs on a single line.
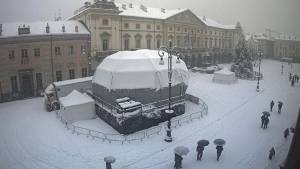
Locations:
{"points": [[24, 61]]}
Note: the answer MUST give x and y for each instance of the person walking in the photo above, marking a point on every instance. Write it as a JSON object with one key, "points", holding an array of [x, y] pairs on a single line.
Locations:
{"points": [[178, 161], [290, 77], [271, 153], [266, 122], [219, 151], [200, 150], [286, 133], [280, 104], [263, 119], [271, 105]]}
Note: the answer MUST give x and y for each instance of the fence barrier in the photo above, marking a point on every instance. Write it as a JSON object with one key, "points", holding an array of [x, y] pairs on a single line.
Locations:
{"points": [[138, 136]]}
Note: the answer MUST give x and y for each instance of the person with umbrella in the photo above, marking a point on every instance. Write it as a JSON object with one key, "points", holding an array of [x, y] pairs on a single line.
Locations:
{"points": [[280, 104], [266, 122], [200, 148], [220, 143], [263, 119], [179, 152], [271, 153], [271, 105], [108, 161]]}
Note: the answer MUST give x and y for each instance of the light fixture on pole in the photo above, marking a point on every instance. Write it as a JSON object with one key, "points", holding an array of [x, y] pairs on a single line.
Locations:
{"points": [[169, 51], [260, 54]]}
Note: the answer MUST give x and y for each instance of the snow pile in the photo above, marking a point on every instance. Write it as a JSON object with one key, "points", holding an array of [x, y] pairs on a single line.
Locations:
{"points": [[138, 69]]}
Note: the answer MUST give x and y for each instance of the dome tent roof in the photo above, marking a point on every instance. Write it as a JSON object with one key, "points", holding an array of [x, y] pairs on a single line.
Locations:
{"points": [[138, 69]]}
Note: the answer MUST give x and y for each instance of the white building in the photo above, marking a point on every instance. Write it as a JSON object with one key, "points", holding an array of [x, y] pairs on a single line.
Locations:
{"points": [[115, 27]]}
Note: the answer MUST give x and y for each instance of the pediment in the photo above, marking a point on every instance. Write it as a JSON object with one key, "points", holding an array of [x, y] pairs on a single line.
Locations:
{"points": [[187, 17]]}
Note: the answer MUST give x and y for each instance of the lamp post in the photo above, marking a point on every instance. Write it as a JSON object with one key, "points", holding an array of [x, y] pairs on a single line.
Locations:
{"points": [[169, 51], [260, 54]]}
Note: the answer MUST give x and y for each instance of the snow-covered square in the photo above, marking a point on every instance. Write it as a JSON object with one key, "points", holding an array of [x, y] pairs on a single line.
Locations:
{"points": [[32, 138]]}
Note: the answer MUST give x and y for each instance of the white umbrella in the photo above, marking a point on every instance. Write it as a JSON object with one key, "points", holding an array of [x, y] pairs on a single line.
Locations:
{"points": [[181, 150], [109, 159]]}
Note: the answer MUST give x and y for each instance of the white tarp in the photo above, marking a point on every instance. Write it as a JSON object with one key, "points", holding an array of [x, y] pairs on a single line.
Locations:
{"points": [[224, 76], [77, 107], [138, 69]]}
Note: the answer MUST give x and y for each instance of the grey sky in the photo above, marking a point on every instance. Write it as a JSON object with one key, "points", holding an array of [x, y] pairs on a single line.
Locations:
{"points": [[254, 15]]}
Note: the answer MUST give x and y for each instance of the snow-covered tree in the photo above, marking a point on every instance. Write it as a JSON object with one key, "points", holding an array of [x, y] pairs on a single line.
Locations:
{"points": [[242, 65]]}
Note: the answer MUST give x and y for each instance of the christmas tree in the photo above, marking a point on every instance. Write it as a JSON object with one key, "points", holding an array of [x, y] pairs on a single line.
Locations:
{"points": [[242, 65]]}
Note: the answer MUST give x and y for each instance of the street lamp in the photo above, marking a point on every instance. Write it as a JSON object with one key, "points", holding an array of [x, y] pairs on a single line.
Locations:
{"points": [[260, 54], [169, 51]]}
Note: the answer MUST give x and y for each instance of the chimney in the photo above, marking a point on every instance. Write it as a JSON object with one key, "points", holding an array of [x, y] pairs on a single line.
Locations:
{"points": [[124, 6], [0, 29], [130, 5], [76, 28], [204, 18], [63, 28], [144, 8], [47, 28], [163, 10]]}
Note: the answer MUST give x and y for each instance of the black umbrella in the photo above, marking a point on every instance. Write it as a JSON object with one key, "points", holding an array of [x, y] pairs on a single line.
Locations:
{"points": [[219, 142], [266, 113], [203, 142]]}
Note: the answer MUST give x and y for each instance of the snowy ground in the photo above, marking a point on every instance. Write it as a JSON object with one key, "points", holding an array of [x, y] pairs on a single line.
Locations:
{"points": [[32, 138]]}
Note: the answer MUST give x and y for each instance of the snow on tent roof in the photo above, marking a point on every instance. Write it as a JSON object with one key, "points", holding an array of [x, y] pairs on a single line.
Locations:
{"points": [[71, 81], [224, 71], [39, 28], [212, 23], [155, 13], [138, 69], [75, 98]]}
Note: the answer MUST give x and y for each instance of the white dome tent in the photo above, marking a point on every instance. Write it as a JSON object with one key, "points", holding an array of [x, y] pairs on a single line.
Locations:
{"points": [[138, 69], [224, 76]]}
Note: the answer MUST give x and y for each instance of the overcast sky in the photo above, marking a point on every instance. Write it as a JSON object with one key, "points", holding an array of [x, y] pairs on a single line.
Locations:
{"points": [[254, 15]]}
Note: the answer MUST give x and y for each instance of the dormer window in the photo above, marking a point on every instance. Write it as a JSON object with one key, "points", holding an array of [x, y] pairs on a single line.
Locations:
{"points": [[105, 22], [24, 30]]}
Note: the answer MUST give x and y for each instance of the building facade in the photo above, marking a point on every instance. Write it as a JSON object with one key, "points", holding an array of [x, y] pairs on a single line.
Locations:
{"points": [[276, 46], [116, 27], [33, 55]]}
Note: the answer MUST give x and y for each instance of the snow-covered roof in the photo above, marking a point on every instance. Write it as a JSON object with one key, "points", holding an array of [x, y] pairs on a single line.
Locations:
{"points": [[212, 23], [75, 98], [138, 69], [287, 37], [78, 80], [224, 71], [147, 12], [39, 28]]}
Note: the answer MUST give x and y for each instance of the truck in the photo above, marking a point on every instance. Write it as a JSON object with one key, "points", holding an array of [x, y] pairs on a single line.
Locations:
{"points": [[56, 90]]}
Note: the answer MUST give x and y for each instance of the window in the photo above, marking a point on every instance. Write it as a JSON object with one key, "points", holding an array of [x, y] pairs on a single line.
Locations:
{"points": [[137, 26], [170, 28], [185, 29], [138, 43], [210, 43], [126, 25], [39, 81], [83, 49], [210, 32], [84, 72], [126, 44], [14, 84], [105, 44], [58, 75], [24, 56], [105, 22], [158, 43], [148, 26], [57, 51], [148, 43], [158, 27], [178, 29], [36, 52], [11, 55], [0, 90], [72, 74], [71, 50]]}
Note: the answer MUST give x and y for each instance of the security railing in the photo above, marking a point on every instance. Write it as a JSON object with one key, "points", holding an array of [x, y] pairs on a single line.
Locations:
{"points": [[138, 136]]}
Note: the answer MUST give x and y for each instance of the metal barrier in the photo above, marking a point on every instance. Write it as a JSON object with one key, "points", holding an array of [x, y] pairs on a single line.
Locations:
{"points": [[139, 136]]}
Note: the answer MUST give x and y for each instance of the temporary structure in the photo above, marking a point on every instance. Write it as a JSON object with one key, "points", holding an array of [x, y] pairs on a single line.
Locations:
{"points": [[76, 107], [224, 76]]}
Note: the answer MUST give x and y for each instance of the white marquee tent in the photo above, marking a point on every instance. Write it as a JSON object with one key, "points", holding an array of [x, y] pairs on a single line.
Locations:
{"points": [[224, 76], [77, 106]]}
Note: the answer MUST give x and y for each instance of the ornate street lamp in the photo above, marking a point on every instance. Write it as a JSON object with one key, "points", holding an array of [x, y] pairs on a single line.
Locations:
{"points": [[169, 51], [260, 54]]}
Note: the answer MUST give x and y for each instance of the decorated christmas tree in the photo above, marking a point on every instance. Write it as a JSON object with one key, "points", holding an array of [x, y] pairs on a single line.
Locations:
{"points": [[242, 65]]}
